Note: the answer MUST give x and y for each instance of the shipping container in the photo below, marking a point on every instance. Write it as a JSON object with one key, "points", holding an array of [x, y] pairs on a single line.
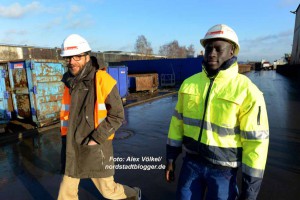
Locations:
{"points": [[36, 89], [174, 69], [120, 74], [5, 112], [143, 82], [243, 68]]}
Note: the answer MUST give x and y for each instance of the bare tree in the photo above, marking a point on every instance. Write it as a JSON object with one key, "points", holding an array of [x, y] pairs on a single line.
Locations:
{"points": [[142, 46], [174, 50], [191, 51], [170, 49]]}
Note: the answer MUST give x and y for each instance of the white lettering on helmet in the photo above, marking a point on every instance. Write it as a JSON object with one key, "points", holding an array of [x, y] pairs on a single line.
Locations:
{"points": [[215, 33], [71, 48]]}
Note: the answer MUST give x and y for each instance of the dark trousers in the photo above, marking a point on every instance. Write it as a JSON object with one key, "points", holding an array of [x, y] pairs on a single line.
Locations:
{"points": [[198, 179]]}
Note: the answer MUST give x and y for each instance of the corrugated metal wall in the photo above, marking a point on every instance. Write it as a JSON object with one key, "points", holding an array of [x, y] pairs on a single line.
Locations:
{"points": [[41, 53], [10, 52]]}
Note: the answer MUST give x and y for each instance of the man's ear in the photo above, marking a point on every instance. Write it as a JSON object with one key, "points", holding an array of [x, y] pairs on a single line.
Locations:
{"points": [[232, 50], [88, 58]]}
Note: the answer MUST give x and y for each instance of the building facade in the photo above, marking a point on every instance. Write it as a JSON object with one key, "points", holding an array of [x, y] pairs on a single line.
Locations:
{"points": [[295, 57]]}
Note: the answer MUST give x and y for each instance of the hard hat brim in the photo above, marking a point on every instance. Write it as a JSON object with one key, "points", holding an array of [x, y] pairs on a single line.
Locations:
{"points": [[237, 47]]}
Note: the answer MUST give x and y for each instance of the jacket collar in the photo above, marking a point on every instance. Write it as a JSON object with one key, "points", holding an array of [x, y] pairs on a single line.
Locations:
{"points": [[229, 73]]}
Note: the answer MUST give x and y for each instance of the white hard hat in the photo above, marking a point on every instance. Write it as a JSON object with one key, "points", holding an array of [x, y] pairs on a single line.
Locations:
{"points": [[73, 45], [222, 31]]}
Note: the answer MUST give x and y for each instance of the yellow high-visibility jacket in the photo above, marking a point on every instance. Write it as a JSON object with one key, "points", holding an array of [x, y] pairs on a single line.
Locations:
{"points": [[224, 120]]}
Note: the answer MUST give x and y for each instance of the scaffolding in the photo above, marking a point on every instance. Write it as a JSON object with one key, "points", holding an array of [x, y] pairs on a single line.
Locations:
{"points": [[167, 80]]}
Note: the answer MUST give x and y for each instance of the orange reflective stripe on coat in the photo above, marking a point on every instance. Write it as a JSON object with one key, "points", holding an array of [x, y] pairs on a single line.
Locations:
{"points": [[104, 85], [64, 112]]}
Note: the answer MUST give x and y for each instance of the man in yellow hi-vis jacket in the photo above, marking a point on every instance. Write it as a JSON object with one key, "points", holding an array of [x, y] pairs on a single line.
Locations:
{"points": [[221, 122]]}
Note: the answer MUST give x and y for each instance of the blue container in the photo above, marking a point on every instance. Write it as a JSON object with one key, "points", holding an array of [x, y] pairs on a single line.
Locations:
{"points": [[5, 114], [120, 74], [181, 68], [37, 89]]}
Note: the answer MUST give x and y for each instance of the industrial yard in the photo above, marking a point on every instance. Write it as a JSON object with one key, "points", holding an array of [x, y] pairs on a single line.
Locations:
{"points": [[60, 114], [31, 165], [30, 135]]}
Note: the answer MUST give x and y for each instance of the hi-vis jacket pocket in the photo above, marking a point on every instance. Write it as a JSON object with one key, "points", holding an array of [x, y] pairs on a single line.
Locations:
{"points": [[225, 110]]}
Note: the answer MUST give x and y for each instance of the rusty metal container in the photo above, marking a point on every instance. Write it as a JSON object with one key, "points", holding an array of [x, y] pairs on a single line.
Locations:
{"points": [[243, 68], [36, 89], [143, 82], [5, 99]]}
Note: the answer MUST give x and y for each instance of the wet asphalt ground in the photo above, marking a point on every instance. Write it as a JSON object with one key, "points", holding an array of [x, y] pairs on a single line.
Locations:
{"points": [[29, 168]]}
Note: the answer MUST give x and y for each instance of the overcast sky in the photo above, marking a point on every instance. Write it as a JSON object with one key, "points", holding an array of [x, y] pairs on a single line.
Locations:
{"points": [[264, 27]]}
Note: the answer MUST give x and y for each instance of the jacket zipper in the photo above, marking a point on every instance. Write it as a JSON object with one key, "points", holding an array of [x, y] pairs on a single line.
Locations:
{"points": [[258, 115], [204, 113]]}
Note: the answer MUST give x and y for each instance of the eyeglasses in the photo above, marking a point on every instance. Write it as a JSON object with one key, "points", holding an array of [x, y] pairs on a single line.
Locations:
{"points": [[76, 57]]}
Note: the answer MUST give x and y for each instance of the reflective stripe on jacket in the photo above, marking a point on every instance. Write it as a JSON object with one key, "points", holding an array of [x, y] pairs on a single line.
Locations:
{"points": [[223, 119], [100, 112], [65, 111]]}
